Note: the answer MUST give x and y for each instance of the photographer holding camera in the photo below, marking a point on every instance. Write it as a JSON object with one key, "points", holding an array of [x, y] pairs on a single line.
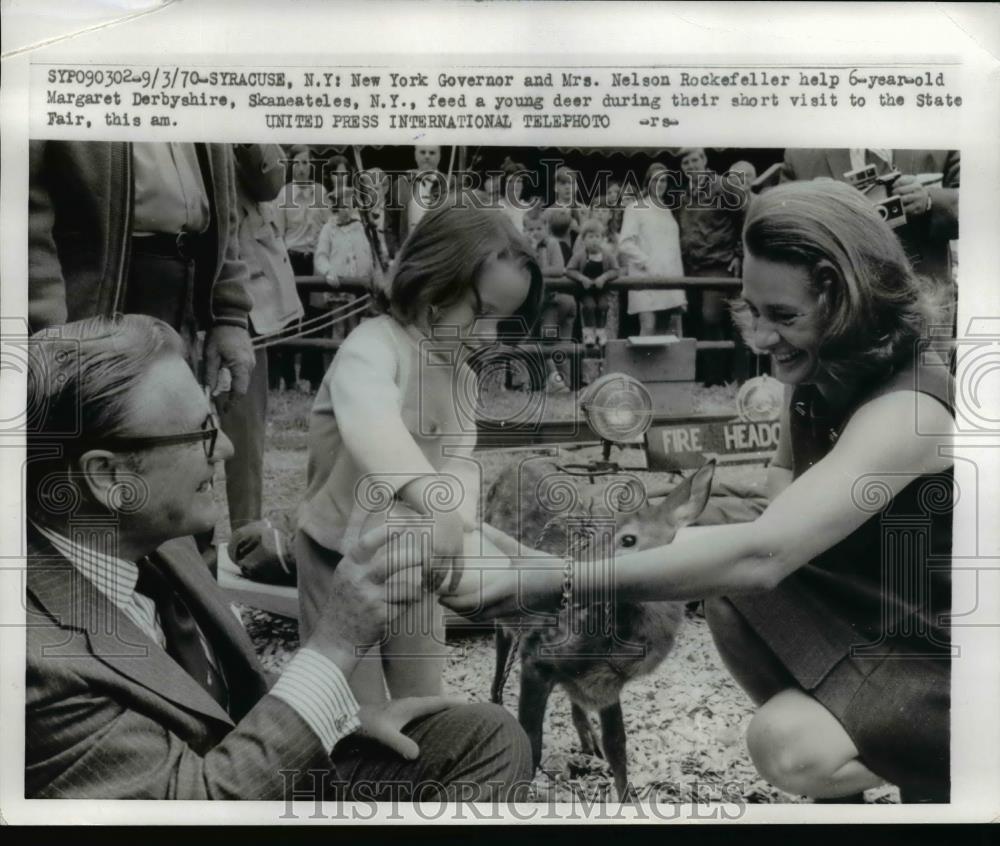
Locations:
{"points": [[930, 205]]}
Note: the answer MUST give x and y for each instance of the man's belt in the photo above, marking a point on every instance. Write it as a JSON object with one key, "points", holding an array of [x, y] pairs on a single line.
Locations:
{"points": [[184, 245]]}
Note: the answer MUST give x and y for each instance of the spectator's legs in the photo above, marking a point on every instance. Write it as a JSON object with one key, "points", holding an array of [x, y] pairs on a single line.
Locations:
{"points": [[601, 304], [244, 424], [163, 287], [647, 322], [588, 311], [715, 367], [471, 752], [672, 321], [566, 315]]}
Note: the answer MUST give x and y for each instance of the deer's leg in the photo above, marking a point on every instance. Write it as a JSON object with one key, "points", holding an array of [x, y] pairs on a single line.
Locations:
{"points": [[588, 740], [536, 686], [613, 739], [504, 642]]}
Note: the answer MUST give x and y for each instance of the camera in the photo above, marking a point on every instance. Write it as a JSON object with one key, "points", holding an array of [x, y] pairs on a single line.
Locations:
{"points": [[891, 211], [876, 188]]}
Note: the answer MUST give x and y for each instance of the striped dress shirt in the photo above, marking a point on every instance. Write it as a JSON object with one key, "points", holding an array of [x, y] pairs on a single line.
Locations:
{"points": [[311, 684]]}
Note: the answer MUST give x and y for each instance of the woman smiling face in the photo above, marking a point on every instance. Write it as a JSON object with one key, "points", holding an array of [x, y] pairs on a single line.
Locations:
{"points": [[785, 319]]}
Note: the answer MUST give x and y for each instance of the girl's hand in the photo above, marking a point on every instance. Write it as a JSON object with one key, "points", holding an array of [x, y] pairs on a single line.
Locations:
{"points": [[507, 587], [384, 722], [332, 280], [447, 548], [485, 593]]}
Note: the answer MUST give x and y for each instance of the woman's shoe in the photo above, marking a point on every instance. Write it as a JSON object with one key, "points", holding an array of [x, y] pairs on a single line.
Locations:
{"points": [[602, 338], [589, 336]]}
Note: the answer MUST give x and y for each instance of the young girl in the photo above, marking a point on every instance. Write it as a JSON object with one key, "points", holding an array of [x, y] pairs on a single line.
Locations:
{"points": [[392, 429], [592, 267]]}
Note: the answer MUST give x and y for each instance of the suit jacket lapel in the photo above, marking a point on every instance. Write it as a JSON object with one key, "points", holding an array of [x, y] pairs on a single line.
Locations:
{"points": [[74, 603]]}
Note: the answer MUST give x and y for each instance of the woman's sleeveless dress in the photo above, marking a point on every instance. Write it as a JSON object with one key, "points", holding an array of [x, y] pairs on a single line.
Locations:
{"points": [[862, 628]]}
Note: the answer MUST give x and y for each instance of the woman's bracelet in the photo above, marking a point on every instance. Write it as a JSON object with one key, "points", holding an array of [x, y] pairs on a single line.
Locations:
{"points": [[567, 585]]}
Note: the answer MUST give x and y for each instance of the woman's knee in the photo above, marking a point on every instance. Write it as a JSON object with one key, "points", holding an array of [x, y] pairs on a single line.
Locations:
{"points": [[792, 750], [783, 755]]}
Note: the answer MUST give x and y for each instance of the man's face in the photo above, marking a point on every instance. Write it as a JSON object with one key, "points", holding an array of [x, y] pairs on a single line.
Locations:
{"points": [[564, 191], [179, 478], [694, 161], [301, 169], [427, 158]]}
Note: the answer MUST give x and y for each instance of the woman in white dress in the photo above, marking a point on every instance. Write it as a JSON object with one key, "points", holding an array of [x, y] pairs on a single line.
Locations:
{"points": [[650, 244]]}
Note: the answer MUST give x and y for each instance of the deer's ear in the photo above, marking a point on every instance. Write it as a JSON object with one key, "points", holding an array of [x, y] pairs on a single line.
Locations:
{"points": [[685, 503]]}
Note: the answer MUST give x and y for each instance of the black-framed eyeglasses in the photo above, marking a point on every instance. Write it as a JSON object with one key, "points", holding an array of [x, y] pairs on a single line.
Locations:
{"points": [[208, 435]]}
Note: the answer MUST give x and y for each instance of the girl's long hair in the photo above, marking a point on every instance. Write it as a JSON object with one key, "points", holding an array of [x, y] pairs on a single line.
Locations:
{"points": [[874, 307]]}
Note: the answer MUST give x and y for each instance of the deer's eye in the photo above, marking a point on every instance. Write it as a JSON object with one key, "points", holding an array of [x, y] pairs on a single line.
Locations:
{"points": [[628, 541]]}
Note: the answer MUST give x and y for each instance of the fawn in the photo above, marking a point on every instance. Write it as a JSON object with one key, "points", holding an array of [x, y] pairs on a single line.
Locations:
{"points": [[593, 650]]}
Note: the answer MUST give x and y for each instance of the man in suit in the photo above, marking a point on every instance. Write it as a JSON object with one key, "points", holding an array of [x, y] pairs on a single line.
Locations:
{"points": [[146, 228], [931, 209], [140, 681]]}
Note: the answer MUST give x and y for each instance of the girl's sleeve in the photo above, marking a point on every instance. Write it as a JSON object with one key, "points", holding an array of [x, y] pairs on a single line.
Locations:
{"points": [[368, 406]]}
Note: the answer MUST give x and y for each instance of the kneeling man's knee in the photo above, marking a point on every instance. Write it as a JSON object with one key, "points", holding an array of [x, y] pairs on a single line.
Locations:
{"points": [[493, 748]]}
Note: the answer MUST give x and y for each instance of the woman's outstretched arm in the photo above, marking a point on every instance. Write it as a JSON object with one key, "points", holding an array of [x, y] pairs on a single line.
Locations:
{"points": [[880, 446]]}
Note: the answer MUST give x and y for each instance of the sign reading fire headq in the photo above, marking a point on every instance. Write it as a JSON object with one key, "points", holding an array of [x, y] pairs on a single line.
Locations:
{"points": [[750, 437], [688, 445]]}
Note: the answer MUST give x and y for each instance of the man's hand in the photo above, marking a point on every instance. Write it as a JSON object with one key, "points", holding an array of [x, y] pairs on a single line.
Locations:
{"points": [[332, 280], [228, 347], [371, 585], [384, 722], [912, 193], [735, 267]]}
